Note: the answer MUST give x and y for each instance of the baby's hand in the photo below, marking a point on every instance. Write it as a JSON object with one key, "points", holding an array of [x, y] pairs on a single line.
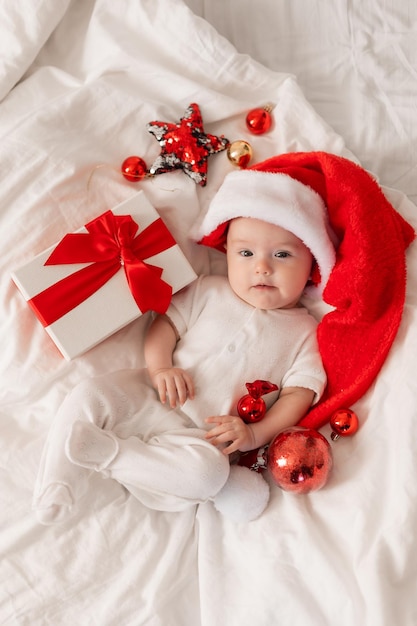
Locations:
{"points": [[174, 384], [231, 434]]}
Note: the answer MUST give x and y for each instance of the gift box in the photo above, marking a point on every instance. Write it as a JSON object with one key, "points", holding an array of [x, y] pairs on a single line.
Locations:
{"points": [[94, 282]]}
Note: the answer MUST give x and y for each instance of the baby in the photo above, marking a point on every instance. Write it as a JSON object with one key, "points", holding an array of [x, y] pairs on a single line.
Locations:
{"points": [[267, 270], [218, 334]]}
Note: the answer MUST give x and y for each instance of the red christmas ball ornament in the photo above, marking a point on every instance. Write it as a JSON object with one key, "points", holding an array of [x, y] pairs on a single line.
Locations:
{"points": [[251, 407], [259, 120], [344, 423], [134, 169], [300, 460]]}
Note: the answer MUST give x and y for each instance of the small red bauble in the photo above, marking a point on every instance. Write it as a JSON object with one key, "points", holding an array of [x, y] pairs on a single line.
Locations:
{"points": [[252, 408], [344, 423], [259, 120], [134, 169], [300, 460]]}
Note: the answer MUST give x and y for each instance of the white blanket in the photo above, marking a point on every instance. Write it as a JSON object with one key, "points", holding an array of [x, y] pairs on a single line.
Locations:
{"points": [[79, 82]]}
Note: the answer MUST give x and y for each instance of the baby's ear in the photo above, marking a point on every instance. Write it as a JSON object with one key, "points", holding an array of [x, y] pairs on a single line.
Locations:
{"points": [[315, 277]]}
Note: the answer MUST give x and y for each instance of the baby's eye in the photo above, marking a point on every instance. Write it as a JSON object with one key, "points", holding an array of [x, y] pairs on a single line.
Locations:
{"points": [[246, 253], [282, 254]]}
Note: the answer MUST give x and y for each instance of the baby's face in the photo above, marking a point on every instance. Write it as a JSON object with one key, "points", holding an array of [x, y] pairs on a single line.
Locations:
{"points": [[268, 267]]}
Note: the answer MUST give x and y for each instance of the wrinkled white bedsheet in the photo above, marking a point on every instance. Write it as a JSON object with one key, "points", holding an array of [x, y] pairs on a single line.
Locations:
{"points": [[79, 81]]}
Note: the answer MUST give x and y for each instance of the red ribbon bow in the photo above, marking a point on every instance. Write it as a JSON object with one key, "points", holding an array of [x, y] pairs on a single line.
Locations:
{"points": [[110, 243]]}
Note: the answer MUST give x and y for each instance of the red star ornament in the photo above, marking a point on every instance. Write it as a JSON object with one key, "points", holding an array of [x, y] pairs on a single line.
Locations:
{"points": [[185, 145]]}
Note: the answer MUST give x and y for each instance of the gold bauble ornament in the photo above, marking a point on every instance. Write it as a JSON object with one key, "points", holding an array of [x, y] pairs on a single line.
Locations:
{"points": [[239, 153]]}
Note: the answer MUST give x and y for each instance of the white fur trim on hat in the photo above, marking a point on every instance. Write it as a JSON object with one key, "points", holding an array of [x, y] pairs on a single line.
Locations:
{"points": [[278, 199]]}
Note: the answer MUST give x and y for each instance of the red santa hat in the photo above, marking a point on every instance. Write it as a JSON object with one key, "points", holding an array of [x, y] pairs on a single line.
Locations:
{"points": [[358, 241]]}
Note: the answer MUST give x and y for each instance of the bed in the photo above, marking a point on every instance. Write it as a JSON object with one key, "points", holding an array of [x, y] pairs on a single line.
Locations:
{"points": [[80, 80]]}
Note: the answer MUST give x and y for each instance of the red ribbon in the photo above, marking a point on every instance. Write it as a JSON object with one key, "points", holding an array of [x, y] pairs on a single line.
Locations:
{"points": [[110, 243]]}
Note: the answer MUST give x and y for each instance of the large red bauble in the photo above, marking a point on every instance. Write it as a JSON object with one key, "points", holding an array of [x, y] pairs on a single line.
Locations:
{"points": [[259, 120], [300, 460], [134, 169]]}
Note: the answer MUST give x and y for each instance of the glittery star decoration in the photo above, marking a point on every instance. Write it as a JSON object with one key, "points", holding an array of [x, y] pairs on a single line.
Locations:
{"points": [[185, 145]]}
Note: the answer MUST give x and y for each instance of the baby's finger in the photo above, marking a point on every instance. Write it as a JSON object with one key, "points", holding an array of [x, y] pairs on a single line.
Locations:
{"points": [[220, 435], [181, 388], [219, 420], [174, 392], [232, 447], [162, 391], [225, 442], [189, 385], [215, 431]]}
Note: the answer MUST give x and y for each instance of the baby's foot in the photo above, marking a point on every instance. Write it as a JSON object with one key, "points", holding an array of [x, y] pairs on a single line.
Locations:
{"points": [[55, 505], [90, 446], [244, 496]]}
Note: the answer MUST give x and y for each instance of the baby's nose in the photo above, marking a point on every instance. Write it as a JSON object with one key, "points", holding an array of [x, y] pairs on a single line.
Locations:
{"points": [[263, 267]]}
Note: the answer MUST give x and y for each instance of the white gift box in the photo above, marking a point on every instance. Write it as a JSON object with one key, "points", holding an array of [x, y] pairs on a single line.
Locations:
{"points": [[112, 306]]}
